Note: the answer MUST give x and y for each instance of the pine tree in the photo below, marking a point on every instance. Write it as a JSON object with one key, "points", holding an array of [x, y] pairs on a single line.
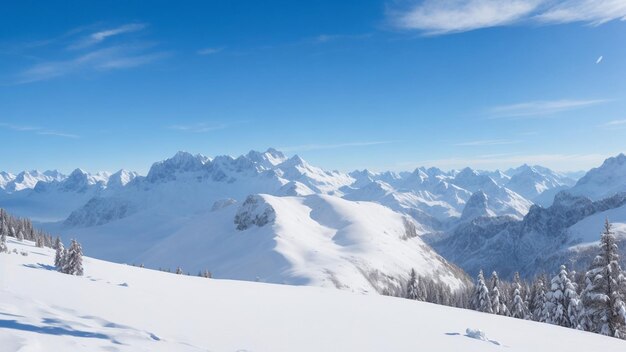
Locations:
{"points": [[20, 235], [73, 261], [498, 306], [538, 299], [179, 270], [562, 304], [604, 294], [518, 310], [411, 286], [3, 243], [39, 241], [481, 300], [60, 254]]}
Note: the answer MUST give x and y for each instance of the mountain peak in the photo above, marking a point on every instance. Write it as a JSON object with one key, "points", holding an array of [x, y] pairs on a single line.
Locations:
{"points": [[476, 206], [268, 159]]}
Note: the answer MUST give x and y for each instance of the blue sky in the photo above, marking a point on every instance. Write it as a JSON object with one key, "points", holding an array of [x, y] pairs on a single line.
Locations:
{"points": [[345, 84]]}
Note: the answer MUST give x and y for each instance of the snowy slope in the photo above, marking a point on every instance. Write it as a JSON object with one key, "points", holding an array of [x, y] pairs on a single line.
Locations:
{"points": [[316, 240], [603, 181], [122, 308]]}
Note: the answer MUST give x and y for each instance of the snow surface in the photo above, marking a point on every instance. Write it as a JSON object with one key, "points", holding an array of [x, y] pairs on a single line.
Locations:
{"points": [[123, 308], [603, 181], [317, 240]]}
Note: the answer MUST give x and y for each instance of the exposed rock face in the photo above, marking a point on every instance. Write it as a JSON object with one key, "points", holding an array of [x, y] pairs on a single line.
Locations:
{"points": [[99, 211], [254, 211]]}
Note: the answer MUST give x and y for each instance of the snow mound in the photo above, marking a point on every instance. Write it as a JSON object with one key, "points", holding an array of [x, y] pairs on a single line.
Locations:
{"points": [[475, 334]]}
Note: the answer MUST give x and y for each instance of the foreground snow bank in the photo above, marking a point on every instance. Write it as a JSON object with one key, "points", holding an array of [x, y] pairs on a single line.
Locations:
{"points": [[123, 308]]}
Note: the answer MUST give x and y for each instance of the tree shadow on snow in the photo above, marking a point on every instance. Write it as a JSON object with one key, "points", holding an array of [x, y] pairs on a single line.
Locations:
{"points": [[51, 330], [41, 266]]}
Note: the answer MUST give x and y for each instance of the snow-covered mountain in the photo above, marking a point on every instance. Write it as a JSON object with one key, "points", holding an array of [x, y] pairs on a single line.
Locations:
{"points": [[429, 195], [27, 179], [198, 197], [603, 181], [543, 240], [123, 308], [532, 181], [318, 240]]}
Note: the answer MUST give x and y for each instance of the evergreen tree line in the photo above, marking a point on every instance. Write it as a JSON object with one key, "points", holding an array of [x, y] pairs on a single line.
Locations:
{"points": [[592, 301], [179, 271], [21, 229]]}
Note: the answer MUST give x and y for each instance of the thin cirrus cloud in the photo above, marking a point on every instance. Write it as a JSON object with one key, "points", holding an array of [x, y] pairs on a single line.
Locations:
{"points": [[327, 38], [209, 51], [437, 17], [199, 127], [117, 57], [100, 36], [614, 123], [540, 108], [37, 130], [486, 142], [92, 54], [309, 147]]}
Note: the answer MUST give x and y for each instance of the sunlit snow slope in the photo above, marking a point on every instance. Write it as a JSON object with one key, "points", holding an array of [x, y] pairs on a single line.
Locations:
{"points": [[122, 308], [316, 240]]}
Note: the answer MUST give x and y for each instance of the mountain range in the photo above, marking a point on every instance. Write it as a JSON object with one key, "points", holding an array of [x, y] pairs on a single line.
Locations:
{"points": [[265, 216]]}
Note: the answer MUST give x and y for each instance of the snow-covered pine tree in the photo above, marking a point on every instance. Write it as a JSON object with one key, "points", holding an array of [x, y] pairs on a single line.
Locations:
{"points": [[538, 299], [39, 241], [604, 295], [498, 306], [411, 286], [179, 270], [518, 309], [73, 261], [562, 295], [481, 300], [59, 257], [20, 235], [3, 243]]}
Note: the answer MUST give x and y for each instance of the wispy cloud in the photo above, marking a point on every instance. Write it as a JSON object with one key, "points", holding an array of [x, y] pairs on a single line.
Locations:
{"points": [[435, 17], [89, 53], [540, 108], [37, 130], [614, 123], [199, 127], [486, 142], [308, 147], [594, 12], [57, 134], [100, 36], [116, 57], [209, 51], [326, 38]]}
